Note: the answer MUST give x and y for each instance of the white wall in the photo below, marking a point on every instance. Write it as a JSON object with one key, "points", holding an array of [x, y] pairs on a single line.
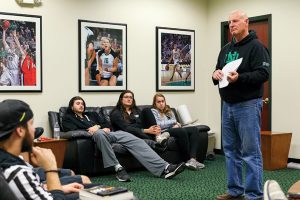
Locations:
{"points": [[60, 49], [60, 54], [285, 61]]}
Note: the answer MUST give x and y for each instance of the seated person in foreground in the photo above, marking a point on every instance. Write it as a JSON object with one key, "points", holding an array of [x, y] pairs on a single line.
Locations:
{"points": [[66, 176], [16, 136], [189, 139], [77, 119]]}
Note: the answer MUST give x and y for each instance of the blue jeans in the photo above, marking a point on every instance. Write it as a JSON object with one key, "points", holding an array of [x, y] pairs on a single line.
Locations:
{"points": [[241, 142]]}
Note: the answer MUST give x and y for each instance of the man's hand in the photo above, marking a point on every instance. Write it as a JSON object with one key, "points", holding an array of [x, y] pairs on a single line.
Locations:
{"points": [[93, 129], [43, 158], [232, 77], [72, 187], [218, 75]]}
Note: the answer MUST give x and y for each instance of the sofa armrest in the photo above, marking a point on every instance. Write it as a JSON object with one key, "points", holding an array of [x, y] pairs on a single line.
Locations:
{"points": [[75, 134], [202, 128]]}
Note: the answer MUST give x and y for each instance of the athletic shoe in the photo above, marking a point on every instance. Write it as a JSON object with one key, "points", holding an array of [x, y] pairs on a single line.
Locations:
{"points": [[199, 164], [190, 164], [122, 175], [194, 164], [162, 138], [272, 191], [173, 170]]}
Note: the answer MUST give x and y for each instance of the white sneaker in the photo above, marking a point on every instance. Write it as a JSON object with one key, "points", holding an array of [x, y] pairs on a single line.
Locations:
{"points": [[272, 191], [194, 164], [200, 165], [162, 138]]}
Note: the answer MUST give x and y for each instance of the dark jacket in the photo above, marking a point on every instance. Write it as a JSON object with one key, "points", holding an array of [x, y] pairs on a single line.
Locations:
{"points": [[253, 71], [133, 125], [72, 122], [7, 160]]}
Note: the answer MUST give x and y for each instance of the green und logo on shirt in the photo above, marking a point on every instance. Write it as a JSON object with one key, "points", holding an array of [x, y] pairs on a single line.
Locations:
{"points": [[231, 57]]}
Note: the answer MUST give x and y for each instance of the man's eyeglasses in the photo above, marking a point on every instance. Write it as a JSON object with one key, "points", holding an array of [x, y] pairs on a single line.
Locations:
{"points": [[127, 97]]}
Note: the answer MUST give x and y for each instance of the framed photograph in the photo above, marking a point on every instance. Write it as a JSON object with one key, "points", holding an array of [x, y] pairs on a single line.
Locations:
{"points": [[102, 56], [175, 59], [20, 53]]}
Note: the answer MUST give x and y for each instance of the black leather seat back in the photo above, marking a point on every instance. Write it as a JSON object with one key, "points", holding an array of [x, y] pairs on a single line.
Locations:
{"points": [[106, 110]]}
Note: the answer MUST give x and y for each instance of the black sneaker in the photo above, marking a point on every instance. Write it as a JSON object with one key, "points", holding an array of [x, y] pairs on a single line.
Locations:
{"points": [[122, 175], [173, 170]]}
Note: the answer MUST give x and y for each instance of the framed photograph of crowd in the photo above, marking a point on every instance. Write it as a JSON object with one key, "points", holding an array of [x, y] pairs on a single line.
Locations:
{"points": [[20, 53], [102, 56], [175, 59]]}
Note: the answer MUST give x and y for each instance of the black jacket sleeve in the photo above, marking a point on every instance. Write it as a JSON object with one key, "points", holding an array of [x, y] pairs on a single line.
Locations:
{"points": [[69, 123], [260, 66], [119, 123]]}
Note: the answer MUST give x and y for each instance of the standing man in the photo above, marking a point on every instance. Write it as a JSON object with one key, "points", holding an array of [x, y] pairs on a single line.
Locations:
{"points": [[242, 105]]}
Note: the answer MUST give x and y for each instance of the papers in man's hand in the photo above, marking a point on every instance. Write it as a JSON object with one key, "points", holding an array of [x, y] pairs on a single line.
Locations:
{"points": [[229, 67]]}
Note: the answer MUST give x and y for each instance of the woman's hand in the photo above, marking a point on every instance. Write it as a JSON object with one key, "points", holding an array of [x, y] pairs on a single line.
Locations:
{"points": [[177, 125], [155, 130]]}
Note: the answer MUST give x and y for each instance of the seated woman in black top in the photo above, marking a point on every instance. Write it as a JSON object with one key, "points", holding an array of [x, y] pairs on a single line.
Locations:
{"points": [[126, 117]]}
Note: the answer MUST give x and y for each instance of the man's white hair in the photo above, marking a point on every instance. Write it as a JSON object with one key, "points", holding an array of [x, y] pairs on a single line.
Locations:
{"points": [[242, 13]]}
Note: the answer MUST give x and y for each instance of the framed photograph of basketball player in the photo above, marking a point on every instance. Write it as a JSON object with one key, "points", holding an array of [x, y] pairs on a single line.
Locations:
{"points": [[102, 56], [20, 53], [175, 59]]}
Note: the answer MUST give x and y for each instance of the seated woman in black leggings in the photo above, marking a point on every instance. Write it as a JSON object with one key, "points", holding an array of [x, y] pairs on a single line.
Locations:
{"points": [[189, 139]]}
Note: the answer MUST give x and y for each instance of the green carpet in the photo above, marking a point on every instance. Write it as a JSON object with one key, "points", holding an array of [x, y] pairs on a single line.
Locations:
{"points": [[203, 184]]}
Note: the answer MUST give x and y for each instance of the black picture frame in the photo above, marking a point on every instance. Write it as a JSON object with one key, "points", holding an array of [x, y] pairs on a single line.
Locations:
{"points": [[175, 69], [20, 53], [93, 37]]}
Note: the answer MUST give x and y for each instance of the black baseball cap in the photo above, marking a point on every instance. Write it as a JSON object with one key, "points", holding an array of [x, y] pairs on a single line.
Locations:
{"points": [[13, 113]]}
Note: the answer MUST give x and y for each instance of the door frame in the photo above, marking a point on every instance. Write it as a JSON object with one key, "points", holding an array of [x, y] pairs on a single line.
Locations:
{"points": [[224, 41]]}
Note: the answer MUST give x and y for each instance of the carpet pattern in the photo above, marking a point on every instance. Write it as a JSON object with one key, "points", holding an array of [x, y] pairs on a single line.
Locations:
{"points": [[204, 184]]}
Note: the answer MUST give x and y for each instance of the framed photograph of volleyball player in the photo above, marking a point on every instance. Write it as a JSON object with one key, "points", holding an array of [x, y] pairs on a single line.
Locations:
{"points": [[102, 56], [20, 53], [175, 59]]}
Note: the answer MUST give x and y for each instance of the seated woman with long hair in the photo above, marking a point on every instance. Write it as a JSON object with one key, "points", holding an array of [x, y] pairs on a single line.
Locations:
{"points": [[126, 117], [193, 144]]}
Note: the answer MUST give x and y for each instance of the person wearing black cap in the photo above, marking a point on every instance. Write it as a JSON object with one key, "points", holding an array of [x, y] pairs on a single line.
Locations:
{"points": [[16, 135]]}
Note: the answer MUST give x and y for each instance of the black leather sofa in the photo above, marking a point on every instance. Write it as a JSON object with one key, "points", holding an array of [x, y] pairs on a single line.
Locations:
{"points": [[83, 157]]}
